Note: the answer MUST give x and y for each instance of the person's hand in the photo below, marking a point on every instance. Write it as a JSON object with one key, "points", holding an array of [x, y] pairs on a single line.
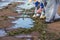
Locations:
{"points": [[39, 10]]}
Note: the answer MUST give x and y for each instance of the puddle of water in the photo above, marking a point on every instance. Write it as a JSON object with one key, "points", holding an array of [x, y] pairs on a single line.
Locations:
{"points": [[19, 11], [4, 4], [23, 23], [19, 0], [28, 37], [5, 0], [26, 6], [23, 16], [2, 33], [11, 17], [23, 36]]}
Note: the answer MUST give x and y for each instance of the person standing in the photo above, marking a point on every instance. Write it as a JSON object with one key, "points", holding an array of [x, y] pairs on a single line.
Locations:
{"points": [[36, 8]]}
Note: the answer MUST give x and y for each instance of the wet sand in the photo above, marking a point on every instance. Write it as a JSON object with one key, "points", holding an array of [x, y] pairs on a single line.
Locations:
{"points": [[4, 13]]}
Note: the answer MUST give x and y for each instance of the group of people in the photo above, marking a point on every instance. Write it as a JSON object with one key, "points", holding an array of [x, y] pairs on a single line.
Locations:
{"points": [[40, 9]]}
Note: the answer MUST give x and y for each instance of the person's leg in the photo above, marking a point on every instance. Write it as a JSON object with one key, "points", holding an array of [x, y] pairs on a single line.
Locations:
{"points": [[37, 12], [42, 16], [50, 14], [57, 16]]}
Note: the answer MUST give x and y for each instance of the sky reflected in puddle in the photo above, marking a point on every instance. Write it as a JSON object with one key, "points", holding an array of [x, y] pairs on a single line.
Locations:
{"points": [[2, 33], [23, 23]]}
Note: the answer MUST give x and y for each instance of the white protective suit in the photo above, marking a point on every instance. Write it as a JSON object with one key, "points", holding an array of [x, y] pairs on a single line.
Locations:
{"points": [[51, 10]]}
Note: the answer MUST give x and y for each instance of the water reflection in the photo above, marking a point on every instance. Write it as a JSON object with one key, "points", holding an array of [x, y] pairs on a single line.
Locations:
{"points": [[23, 36], [2, 33], [23, 23]]}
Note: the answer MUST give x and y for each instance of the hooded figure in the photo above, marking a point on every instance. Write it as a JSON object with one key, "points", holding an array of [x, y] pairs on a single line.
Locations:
{"points": [[39, 11], [51, 10], [36, 8]]}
